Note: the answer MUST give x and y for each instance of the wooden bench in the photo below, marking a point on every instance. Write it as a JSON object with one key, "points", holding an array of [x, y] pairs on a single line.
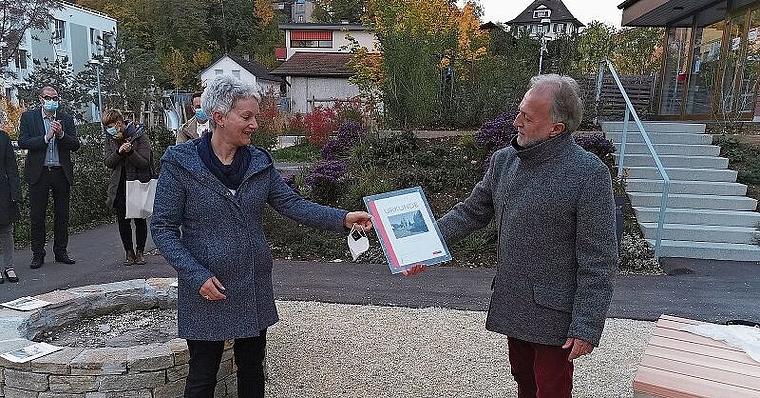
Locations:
{"points": [[680, 364]]}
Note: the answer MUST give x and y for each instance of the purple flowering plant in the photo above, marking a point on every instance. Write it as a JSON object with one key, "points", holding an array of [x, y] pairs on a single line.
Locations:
{"points": [[348, 136], [326, 172], [497, 133]]}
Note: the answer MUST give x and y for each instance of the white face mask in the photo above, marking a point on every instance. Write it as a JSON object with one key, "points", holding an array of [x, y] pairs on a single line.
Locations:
{"points": [[357, 243]]}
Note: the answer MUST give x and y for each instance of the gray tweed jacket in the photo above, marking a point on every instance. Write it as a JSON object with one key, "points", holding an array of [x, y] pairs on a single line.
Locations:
{"points": [[557, 254], [203, 230]]}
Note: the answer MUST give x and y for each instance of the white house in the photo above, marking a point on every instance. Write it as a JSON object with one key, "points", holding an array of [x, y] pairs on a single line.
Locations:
{"points": [[546, 17], [245, 70], [75, 33], [316, 62]]}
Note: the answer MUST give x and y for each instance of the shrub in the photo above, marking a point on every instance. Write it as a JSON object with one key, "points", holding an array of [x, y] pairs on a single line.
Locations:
{"points": [[599, 146], [393, 149], [319, 124], [349, 135], [325, 180], [296, 124], [349, 111], [637, 256], [497, 133]]}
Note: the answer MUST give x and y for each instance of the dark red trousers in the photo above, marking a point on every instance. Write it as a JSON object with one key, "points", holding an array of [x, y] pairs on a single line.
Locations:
{"points": [[541, 371]]}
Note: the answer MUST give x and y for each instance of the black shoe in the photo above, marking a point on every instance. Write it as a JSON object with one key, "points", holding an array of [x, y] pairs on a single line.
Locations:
{"points": [[64, 258], [37, 262], [10, 274]]}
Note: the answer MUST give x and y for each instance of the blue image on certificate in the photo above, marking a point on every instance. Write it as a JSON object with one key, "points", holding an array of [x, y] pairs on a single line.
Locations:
{"points": [[408, 224]]}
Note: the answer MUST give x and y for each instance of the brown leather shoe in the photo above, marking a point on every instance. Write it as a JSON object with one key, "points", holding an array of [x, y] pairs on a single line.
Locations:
{"points": [[139, 260], [130, 257]]}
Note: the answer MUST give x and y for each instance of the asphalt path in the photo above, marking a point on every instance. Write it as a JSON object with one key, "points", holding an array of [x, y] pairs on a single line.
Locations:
{"points": [[713, 291]]}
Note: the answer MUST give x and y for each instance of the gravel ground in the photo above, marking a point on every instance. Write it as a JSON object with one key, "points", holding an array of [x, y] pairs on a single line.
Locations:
{"points": [[333, 350], [337, 350]]}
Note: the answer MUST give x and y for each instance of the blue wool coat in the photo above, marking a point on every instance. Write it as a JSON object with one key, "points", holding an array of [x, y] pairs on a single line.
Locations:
{"points": [[204, 230]]}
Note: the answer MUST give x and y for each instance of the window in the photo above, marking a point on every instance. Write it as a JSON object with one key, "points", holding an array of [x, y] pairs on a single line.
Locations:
{"points": [[542, 13], [93, 35], [108, 37], [236, 73], [310, 44], [559, 28], [21, 59], [218, 72], [59, 33], [311, 39]]}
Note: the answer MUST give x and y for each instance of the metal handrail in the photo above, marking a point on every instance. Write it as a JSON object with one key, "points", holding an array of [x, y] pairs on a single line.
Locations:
{"points": [[628, 111]]}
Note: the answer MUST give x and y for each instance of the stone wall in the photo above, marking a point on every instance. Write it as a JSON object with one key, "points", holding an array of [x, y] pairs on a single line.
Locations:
{"points": [[156, 370]]}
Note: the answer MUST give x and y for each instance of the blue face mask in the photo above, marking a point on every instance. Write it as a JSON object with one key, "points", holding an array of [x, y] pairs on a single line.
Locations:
{"points": [[50, 105], [112, 130], [200, 115]]}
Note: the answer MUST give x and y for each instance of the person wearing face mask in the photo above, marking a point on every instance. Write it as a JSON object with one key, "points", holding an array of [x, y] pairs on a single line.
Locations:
{"points": [[127, 153], [49, 136], [197, 126]]}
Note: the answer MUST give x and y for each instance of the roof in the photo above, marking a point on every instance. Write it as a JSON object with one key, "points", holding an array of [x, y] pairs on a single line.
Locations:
{"points": [[316, 64], [559, 13], [252, 66], [321, 26]]}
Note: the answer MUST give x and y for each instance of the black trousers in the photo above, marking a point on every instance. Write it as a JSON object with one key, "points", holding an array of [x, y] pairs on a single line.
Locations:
{"points": [[125, 227], [51, 180], [205, 357]]}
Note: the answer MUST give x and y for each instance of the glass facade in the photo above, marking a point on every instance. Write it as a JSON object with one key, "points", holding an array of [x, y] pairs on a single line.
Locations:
{"points": [[712, 64]]}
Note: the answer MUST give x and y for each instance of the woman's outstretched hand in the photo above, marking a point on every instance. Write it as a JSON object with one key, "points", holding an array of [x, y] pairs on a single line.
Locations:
{"points": [[360, 218]]}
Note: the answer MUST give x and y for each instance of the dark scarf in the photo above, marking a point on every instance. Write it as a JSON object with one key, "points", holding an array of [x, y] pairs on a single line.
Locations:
{"points": [[230, 175]]}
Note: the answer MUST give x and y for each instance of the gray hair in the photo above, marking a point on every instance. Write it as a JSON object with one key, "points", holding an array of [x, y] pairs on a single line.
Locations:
{"points": [[222, 93], [567, 106]]}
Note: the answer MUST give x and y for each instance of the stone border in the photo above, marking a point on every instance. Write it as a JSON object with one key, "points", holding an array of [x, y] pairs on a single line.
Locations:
{"points": [[156, 370]]}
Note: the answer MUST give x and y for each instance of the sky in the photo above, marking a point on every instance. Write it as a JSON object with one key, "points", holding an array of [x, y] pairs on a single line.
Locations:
{"points": [[584, 10]]}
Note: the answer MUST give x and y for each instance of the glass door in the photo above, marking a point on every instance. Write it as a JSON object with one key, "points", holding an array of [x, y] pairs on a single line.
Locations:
{"points": [[705, 69], [674, 77]]}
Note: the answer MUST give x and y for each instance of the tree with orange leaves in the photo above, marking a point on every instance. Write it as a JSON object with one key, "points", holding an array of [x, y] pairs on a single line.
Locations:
{"points": [[426, 46]]}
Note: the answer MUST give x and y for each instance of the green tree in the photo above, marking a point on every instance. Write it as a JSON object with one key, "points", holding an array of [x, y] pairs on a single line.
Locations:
{"points": [[18, 16], [337, 11], [74, 92], [595, 44], [639, 50], [127, 77]]}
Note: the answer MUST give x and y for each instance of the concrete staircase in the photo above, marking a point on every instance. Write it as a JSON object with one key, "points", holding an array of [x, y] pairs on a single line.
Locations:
{"points": [[708, 215]]}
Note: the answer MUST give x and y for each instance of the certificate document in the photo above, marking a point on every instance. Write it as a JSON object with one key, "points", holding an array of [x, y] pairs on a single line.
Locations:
{"points": [[408, 232]]}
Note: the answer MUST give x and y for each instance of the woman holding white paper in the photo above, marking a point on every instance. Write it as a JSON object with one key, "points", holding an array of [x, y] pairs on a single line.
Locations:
{"points": [[127, 153], [207, 223]]}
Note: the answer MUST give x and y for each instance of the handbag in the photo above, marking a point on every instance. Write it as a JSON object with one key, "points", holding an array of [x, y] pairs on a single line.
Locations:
{"points": [[140, 196]]}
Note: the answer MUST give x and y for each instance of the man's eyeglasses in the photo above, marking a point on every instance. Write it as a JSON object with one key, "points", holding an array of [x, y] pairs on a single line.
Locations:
{"points": [[50, 98]]}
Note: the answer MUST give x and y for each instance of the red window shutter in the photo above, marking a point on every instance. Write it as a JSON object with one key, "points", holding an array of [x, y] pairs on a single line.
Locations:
{"points": [[311, 35]]}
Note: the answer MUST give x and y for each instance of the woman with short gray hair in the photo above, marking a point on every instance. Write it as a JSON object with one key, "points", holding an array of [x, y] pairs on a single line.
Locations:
{"points": [[207, 223]]}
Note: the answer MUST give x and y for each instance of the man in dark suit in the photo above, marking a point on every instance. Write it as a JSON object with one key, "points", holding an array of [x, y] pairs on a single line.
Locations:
{"points": [[50, 137]]}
